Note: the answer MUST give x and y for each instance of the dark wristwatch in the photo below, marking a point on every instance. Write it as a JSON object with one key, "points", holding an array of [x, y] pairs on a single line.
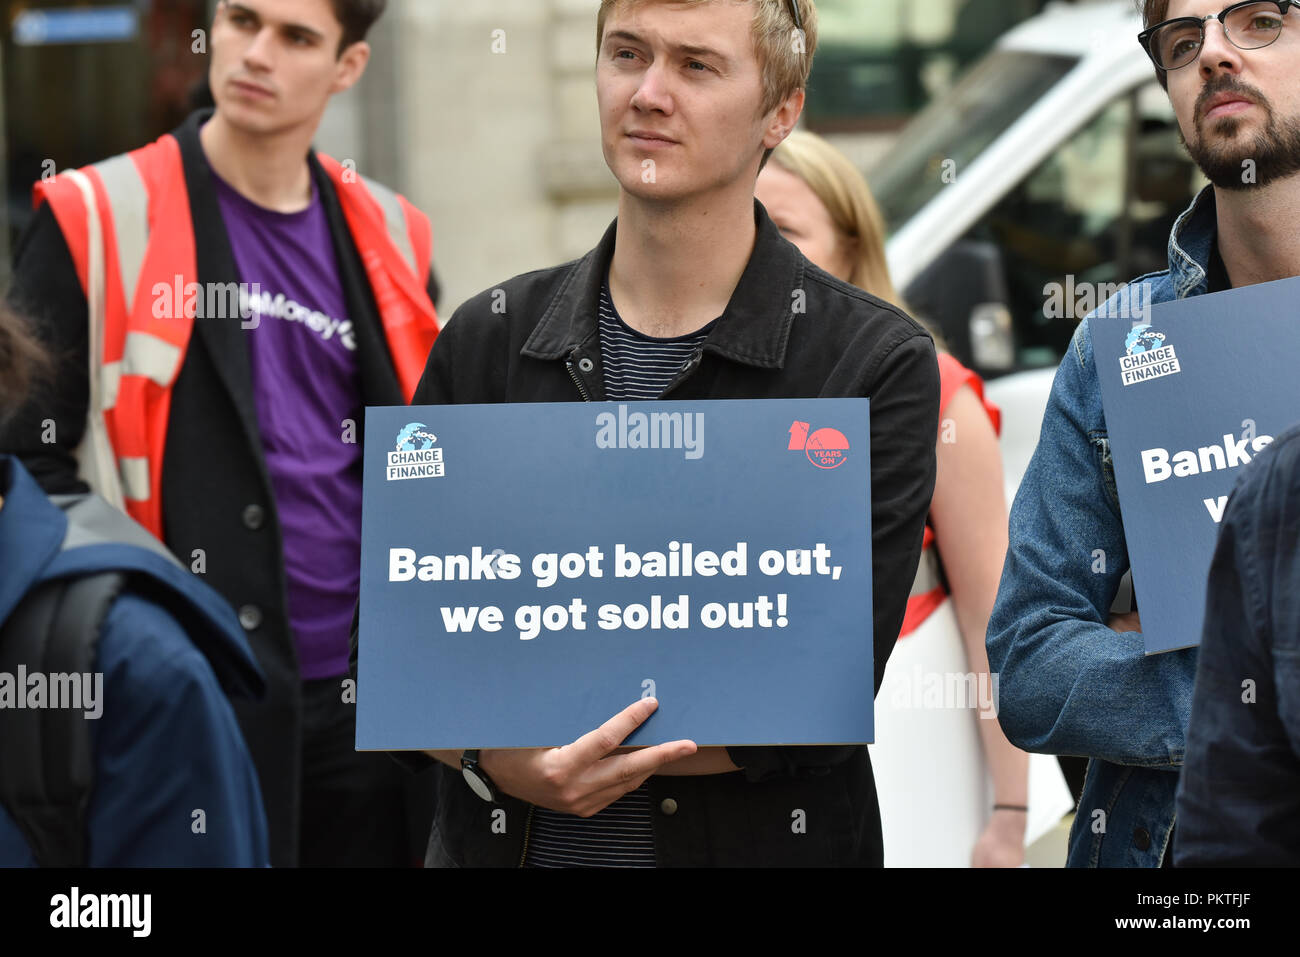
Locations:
{"points": [[476, 777]]}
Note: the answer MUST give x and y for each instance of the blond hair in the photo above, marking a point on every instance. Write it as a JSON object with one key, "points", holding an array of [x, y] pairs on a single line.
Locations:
{"points": [[784, 55], [852, 208]]}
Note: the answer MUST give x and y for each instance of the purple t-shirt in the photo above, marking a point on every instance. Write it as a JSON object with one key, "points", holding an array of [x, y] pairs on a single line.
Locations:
{"points": [[306, 385]]}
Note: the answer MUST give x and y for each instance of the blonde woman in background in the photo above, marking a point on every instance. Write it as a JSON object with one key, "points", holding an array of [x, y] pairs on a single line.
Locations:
{"points": [[934, 800]]}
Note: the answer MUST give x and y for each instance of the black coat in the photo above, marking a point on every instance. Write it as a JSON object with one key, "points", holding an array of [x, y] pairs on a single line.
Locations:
{"points": [[216, 492], [790, 331]]}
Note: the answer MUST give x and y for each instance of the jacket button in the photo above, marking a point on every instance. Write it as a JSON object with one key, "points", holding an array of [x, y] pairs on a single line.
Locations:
{"points": [[1142, 838], [254, 517], [585, 364], [668, 806], [250, 617]]}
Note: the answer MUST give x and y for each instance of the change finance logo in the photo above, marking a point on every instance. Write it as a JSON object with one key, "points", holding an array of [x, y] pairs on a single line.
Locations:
{"points": [[1148, 356], [825, 448], [416, 455]]}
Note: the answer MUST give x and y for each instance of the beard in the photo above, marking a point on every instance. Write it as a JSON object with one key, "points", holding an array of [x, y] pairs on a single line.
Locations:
{"points": [[1274, 150]]}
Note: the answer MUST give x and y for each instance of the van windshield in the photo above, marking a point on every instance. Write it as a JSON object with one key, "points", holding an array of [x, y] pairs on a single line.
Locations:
{"points": [[960, 126]]}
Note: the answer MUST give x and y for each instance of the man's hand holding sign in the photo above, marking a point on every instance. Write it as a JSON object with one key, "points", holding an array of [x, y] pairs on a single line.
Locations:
{"points": [[591, 773]]}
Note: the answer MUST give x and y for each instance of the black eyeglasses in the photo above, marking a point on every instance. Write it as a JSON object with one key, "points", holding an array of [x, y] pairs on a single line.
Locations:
{"points": [[1248, 26], [794, 12]]}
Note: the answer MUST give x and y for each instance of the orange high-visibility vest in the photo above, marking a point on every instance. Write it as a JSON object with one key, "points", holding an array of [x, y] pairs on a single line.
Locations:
{"points": [[148, 240]]}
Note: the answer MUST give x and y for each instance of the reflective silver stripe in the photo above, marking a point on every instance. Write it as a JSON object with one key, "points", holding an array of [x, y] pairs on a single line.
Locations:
{"points": [[110, 378], [395, 219], [927, 574], [96, 463], [150, 356], [135, 479], [129, 201]]}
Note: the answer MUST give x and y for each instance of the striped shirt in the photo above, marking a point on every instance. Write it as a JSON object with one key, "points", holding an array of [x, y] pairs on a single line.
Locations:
{"points": [[622, 835], [637, 366]]}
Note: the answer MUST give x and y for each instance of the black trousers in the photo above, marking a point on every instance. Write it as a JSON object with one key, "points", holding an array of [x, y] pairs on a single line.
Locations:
{"points": [[359, 808]]}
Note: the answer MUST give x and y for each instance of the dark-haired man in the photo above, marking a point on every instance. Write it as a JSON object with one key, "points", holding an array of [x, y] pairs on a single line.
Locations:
{"points": [[1074, 679], [693, 294], [248, 298]]}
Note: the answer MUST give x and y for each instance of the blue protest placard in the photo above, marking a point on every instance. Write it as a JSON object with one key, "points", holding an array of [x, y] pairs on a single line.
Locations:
{"points": [[1193, 390], [528, 571]]}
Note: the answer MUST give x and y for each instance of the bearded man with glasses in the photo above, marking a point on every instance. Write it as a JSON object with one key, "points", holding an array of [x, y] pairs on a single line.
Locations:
{"points": [[1075, 678]]}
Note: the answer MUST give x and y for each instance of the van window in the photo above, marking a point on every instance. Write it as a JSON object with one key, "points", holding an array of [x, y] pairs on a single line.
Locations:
{"points": [[1094, 215], [959, 127], [879, 62]]}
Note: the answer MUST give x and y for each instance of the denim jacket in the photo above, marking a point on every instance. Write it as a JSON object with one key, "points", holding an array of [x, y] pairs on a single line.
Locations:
{"points": [[1069, 684]]}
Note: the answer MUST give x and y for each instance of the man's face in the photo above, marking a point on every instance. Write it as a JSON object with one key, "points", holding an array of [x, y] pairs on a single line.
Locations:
{"points": [[1239, 110], [680, 88], [275, 63]]}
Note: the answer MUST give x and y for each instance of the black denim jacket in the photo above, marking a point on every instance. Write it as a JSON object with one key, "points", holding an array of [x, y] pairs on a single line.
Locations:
{"points": [[790, 331], [1238, 799]]}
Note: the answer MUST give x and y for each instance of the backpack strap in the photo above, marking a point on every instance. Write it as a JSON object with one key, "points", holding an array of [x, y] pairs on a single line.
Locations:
{"points": [[46, 765]]}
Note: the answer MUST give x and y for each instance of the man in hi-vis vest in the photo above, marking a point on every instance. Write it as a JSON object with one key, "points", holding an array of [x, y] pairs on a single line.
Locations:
{"points": [[225, 302]]}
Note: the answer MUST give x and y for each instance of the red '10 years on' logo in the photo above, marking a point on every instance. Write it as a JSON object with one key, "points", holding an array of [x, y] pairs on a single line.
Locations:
{"points": [[825, 448]]}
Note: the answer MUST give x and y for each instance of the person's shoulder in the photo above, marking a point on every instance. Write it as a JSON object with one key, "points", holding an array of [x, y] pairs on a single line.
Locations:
{"points": [[1131, 300], [41, 247], [952, 371], [848, 306], [146, 648], [339, 175], [155, 674], [1286, 447], [519, 300], [1272, 480]]}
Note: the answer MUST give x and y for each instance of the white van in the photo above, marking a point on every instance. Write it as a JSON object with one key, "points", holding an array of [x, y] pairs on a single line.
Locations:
{"points": [[1050, 173]]}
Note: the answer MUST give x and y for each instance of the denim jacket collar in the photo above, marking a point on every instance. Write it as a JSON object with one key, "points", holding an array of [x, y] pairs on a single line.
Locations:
{"points": [[754, 329], [1190, 244]]}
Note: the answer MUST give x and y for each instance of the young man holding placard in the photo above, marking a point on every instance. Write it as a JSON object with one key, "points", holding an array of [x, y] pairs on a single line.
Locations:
{"points": [[693, 294], [1075, 679]]}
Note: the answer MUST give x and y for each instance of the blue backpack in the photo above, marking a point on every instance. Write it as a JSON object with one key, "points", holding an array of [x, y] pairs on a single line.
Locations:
{"points": [[46, 766], [46, 755]]}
